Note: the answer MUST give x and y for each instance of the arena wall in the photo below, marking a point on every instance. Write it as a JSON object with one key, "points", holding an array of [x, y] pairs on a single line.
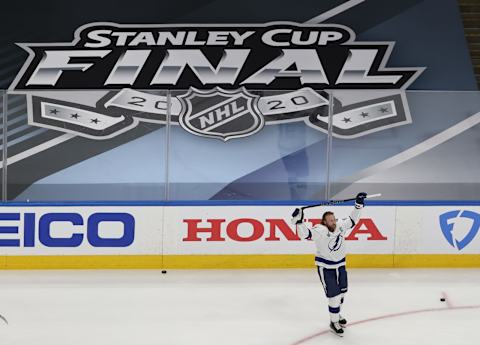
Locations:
{"points": [[186, 236]]}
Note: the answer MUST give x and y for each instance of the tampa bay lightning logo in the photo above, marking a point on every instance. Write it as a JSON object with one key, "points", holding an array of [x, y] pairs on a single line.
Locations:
{"points": [[449, 222], [335, 243]]}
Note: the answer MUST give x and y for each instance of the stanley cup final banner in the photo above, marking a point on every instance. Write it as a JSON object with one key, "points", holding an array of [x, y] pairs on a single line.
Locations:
{"points": [[92, 90], [220, 101]]}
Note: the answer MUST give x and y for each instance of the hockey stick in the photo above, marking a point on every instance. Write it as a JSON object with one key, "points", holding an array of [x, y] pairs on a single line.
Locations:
{"points": [[334, 202]]}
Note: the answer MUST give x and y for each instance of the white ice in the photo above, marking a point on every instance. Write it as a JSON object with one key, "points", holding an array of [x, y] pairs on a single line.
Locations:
{"points": [[223, 307]]}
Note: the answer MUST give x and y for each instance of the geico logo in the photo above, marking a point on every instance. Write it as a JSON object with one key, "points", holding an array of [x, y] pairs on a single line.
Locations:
{"points": [[70, 225], [250, 229]]}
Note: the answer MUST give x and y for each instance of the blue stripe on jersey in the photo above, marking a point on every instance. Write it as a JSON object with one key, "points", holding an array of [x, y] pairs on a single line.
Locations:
{"points": [[328, 262], [334, 310]]}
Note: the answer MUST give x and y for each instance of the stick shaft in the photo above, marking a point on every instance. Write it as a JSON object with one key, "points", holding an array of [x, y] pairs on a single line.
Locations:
{"points": [[333, 202]]}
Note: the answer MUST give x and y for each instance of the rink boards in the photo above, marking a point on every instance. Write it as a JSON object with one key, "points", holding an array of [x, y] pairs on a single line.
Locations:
{"points": [[229, 236]]}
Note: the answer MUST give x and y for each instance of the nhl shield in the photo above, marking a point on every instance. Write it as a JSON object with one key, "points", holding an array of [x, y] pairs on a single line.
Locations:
{"points": [[221, 114]]}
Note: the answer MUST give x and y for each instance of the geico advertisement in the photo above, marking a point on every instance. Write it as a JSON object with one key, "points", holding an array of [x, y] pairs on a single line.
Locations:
{"points": [[450, 230], [267, 230], [80, 230]]}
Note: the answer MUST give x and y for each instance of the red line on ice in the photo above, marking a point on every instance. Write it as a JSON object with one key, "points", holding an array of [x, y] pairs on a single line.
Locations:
{"points": [[388, 316]]}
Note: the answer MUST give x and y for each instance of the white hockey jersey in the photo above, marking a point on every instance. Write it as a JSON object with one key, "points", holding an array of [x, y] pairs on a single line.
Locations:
{"points": [[330, 245]]}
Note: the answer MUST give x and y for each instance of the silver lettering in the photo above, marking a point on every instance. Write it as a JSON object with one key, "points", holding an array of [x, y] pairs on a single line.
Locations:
{"points": [[309, 68], [96, 35], [128, 67], [55, 62], [175, 62], [357, 66]]}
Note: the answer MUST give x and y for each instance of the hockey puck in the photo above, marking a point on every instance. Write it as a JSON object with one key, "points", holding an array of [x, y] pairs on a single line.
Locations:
{"points": [[442, 299], [164, 272]]}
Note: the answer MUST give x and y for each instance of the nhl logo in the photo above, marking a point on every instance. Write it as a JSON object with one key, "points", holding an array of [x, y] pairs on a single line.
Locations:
{"points": [[221, 114]]}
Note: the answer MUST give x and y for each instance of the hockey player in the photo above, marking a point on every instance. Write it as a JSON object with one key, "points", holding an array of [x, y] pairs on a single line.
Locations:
{"points": [[330, 256]]}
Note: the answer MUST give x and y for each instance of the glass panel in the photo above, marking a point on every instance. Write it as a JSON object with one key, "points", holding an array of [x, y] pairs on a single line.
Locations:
{"points": [[86, 145], [3, 100], [219, 151], [413, 145]]}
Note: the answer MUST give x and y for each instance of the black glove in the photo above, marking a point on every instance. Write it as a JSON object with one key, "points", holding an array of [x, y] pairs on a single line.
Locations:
{"points": [[360, 200], [297, 216]]}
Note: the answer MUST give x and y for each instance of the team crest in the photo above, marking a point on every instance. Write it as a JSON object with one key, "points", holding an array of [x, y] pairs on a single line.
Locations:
{"points": [[221, 114]]}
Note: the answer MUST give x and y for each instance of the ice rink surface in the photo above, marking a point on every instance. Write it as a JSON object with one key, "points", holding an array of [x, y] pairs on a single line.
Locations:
{"points": [[222, 307]]}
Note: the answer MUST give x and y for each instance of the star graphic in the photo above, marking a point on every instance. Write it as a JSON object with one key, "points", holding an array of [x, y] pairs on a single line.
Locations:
{"points": [[346, 119], [383, 110], [364, 114], [75, 116], [54, 111], [95, 121]]}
